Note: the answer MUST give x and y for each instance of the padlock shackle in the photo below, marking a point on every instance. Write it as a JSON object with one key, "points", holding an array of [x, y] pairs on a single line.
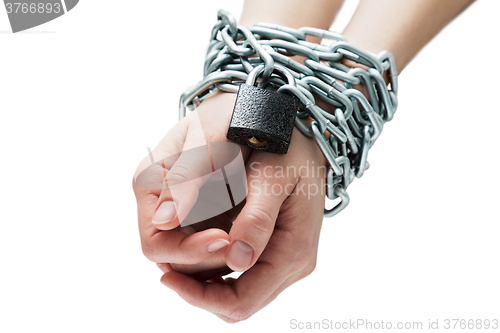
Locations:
{"points": [[278, 69]]}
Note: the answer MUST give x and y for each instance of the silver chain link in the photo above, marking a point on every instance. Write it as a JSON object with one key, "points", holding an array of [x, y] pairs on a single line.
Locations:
{"points": [[235, 52]]}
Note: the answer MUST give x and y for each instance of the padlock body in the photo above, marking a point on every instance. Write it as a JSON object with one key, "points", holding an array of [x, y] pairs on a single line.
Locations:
{"points": [[263, 119]]}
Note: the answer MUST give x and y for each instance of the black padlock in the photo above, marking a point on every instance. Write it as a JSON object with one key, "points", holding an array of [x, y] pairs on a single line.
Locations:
{"points": [[263, 119]]}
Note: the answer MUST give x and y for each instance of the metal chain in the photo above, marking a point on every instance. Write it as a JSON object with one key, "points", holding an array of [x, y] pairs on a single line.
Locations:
{"points": [[234, 52]]}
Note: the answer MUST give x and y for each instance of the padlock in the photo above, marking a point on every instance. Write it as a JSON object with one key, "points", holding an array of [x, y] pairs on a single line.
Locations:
{"points": [[263, 119]]}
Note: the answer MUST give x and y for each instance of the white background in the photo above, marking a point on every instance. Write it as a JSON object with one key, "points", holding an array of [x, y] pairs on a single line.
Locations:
{"points": [[81, 99]]}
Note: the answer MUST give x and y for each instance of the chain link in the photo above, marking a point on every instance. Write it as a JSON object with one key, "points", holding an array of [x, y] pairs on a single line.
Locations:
{"points": [[236, 52]]}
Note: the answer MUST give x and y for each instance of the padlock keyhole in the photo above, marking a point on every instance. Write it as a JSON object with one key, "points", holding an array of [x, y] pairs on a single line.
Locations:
{"points": [[256, 142]]}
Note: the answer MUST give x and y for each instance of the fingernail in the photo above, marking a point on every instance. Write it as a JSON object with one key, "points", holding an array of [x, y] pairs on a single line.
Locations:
{"points": [[165, 213], [162, 267], [217, 245], [240, 254]]}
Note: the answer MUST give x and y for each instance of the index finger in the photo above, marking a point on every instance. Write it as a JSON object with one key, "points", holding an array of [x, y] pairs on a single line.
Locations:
{"points": [[247, 294], [173, 246], [238, 301]]}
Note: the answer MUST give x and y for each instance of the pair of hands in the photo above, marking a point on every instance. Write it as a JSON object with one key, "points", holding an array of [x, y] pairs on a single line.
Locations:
{"points": [[274, 238]]}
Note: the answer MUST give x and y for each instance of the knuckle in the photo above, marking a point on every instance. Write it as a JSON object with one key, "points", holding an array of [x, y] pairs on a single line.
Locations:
{"points": [[229, 320], [191, 301], [240, 314], [308, 269], [304, 258], [179, 173], [260, 219]]}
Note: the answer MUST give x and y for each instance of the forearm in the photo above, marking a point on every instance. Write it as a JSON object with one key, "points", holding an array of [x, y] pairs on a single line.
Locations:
{"points": [[291, 13], [401, 27]]}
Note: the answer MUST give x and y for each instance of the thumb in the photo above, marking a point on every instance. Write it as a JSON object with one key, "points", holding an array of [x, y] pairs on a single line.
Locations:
{"points": [[255, 223]]}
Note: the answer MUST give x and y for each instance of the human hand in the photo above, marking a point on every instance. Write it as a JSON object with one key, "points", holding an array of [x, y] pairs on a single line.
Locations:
{"points": [[162, 206], [280, 223], [276, 234]]}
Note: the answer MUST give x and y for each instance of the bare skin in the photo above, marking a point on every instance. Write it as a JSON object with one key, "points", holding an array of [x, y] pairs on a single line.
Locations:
{"points": [[279, 232]]}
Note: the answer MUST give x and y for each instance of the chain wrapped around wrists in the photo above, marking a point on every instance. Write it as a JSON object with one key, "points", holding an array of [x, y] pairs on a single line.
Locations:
{"points": [[265, 50]]}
